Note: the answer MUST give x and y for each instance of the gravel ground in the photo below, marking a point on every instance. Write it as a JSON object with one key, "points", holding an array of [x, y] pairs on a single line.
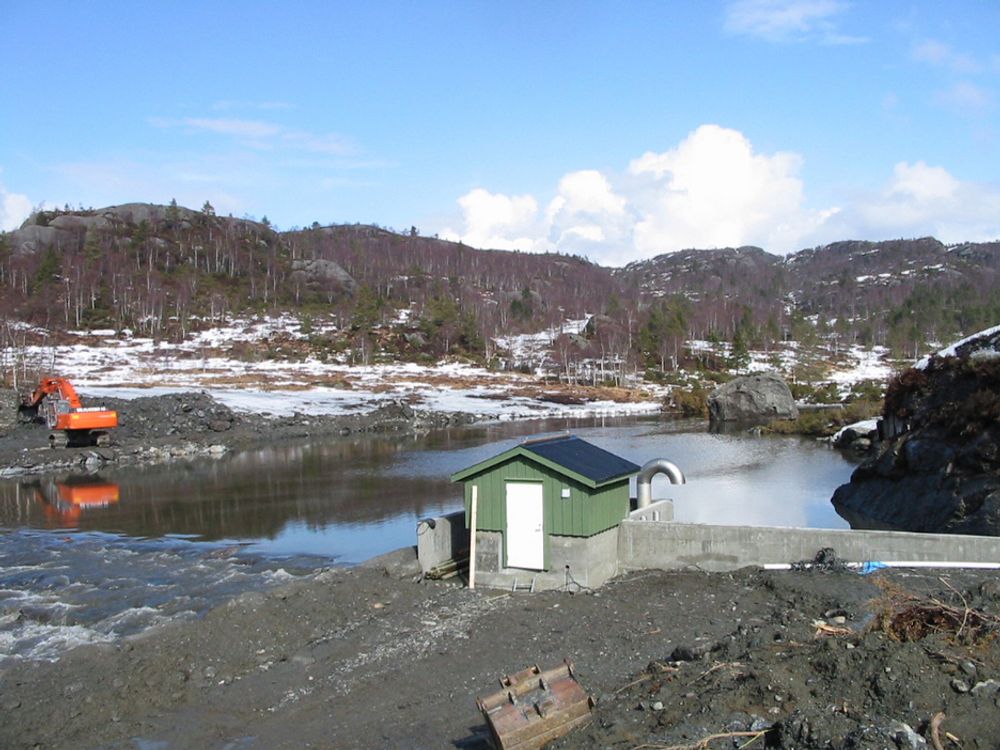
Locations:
{"points": [[370, 658], [156, 429]]}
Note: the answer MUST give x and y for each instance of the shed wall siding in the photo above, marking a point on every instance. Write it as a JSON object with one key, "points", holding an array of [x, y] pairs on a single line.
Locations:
{"points": [[584, 513]]}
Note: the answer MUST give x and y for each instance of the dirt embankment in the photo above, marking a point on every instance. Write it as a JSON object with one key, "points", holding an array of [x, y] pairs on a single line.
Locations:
{"points": [[154, 429], [363, 659]]}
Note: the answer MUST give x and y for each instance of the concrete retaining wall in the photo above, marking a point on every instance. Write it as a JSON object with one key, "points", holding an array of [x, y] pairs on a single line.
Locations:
{"points": [[587, 561], [573, 561], [669, 546], [648, 539], [489, 551], [441, 539]]}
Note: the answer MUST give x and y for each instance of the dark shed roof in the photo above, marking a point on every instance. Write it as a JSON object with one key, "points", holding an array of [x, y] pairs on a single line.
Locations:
{"points": [[581, 457], [567, 453]]}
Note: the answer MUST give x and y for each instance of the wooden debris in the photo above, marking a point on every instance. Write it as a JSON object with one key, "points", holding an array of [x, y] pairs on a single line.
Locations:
{"points": [[448, 569], [824, 629], [936, 730], [704, 742]]}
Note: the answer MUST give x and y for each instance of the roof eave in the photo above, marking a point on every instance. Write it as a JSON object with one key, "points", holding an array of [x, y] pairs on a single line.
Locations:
{"points": [[483, 466]]}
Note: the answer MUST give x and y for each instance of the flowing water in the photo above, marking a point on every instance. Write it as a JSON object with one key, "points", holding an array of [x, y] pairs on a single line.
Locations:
{"points": [[94, 558]]}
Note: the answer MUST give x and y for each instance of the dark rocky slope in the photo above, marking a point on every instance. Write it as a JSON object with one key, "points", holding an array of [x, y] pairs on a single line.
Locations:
{"points": [[938, 469]]}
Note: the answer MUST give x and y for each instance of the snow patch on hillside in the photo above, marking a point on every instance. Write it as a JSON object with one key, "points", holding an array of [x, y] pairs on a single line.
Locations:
{"points": [[533, 348], [217, 361], [125, 366]]}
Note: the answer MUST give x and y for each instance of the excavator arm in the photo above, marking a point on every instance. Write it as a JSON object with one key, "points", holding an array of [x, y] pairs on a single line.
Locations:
{"points": [[60, 387]]}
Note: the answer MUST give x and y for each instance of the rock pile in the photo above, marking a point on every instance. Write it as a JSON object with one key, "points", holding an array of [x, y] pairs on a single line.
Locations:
{"points": [[187, 414], [938, 468]]}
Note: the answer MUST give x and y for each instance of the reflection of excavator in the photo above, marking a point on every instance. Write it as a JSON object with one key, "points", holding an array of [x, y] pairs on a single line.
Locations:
{"points": [[68, 419], [65, 500]]}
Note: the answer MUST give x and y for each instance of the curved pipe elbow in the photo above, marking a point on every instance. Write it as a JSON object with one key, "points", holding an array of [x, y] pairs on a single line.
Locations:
{"points": [[644, 482]]}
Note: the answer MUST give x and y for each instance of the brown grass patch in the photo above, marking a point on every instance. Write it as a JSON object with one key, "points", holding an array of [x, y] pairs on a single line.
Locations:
{"points": [[907, 617]]}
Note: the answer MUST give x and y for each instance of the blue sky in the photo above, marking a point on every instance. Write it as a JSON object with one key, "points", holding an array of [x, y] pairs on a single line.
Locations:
{"points": [[612, 130]]}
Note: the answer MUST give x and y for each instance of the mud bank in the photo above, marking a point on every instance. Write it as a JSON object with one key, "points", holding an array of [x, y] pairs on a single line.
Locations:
{"points": [[370, 658], [156, 429]]}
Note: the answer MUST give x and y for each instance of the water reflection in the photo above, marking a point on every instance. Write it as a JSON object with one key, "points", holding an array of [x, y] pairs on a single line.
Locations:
{"points": [[64, 501], [354, 498]]}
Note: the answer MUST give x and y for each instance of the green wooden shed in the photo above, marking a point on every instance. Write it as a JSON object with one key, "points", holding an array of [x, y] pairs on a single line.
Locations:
{"points": [[555, 487]]}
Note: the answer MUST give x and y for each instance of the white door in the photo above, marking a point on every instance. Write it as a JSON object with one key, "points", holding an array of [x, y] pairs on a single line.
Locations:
{"points": [[525, 535]]}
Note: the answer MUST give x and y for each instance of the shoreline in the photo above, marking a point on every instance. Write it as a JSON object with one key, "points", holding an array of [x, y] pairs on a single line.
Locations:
{"points": [[186, 424]]}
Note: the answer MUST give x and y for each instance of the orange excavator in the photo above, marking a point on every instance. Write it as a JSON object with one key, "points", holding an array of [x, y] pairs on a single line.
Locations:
{"points": [[70, 421]]}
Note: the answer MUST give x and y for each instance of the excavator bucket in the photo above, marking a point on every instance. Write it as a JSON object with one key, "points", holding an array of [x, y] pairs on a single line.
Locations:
{"points": [[535, 707]]}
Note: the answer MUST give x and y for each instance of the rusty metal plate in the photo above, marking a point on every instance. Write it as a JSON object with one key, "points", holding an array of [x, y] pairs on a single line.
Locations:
{"points": [[533, 707]]}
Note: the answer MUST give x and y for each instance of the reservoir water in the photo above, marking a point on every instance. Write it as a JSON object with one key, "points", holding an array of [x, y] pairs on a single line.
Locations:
{"points": [[95, 558]]}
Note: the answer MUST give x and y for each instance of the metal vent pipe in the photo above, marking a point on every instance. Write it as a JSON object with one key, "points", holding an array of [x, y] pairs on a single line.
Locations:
{"points": [[644, 483]]}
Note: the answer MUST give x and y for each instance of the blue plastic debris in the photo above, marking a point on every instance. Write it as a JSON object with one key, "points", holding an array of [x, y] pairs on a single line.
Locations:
{"points": [[871, 566]]}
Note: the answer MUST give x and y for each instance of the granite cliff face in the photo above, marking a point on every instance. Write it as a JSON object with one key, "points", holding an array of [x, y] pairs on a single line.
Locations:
{"points": [[938, 469]]}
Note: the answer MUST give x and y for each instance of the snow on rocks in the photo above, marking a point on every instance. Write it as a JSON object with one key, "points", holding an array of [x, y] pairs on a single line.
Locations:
{"points": [[859, 436], [986, 344]]}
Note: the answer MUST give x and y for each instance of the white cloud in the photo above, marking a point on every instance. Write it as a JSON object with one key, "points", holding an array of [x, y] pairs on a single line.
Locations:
{"points": [[920, 200], [14, 209], [788, 20], [500, 222], [922, 184], [263, 135], [941, 55], [714, 190], [587, 217], [966, 96], [239, 128], [319, 143]]}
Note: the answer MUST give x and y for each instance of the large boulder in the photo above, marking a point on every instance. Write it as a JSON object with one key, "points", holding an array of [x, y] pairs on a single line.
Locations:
{"points": [[323, 275], [79, 223], [752, 399], [32, 238], [938, 468]]}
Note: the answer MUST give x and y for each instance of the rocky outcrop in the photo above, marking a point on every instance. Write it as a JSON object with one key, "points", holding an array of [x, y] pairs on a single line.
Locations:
{"points": [[752, 399], [938, 468], [322, 275], [44, 229]]}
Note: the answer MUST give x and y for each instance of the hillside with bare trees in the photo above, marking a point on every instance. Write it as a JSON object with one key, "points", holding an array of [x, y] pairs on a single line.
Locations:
{"points": [[164, 271]]}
